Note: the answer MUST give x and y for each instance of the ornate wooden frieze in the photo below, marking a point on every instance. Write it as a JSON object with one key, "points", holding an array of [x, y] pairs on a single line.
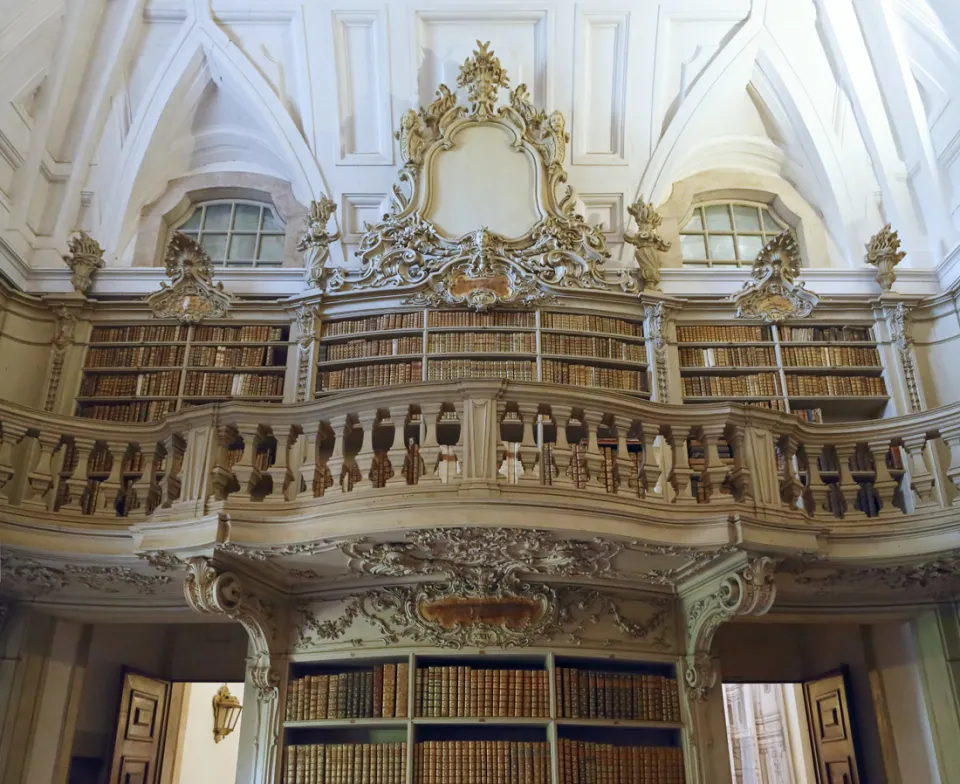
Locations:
{"points": [[480, 269], [192, 295], [883, 253], [747, 590], [84, 258], [773, 293]]}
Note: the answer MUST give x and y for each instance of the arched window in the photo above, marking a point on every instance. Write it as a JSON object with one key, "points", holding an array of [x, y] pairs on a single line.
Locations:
{"points": [[237, 233], [727, 233]]}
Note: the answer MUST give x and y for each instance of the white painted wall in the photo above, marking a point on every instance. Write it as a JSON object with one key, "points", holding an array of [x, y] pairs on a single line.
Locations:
{"points": [[200, 759]]}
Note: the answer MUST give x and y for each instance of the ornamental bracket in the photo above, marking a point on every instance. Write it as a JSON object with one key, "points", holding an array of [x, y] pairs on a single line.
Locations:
{"points": [[747, 590]]}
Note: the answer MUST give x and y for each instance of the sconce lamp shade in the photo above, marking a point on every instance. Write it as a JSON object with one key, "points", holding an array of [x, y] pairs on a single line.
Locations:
{"points": [[226, 713]]}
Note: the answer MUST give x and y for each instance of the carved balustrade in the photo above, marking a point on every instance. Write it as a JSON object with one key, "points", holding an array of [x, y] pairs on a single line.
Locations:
{"points": [[503, 436]]}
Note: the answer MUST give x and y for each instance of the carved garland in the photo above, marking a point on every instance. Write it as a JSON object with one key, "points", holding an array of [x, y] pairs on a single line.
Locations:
{"points": [[480, 269], [192, 295], [748, 591], [774, 294]]}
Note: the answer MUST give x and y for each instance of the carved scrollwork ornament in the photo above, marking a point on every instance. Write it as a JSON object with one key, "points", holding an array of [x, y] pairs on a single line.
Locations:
{"points": [[656, 316], [208, 590], [648, 245], [883, 252], [480, 269], [315, 241], [192, 295], [899, 322], [84, 258], [306, 317], [773, 293], [749, 590]]}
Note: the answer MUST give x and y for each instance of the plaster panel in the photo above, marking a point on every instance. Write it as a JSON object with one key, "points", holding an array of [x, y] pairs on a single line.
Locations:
{"points": [[600, 68], [605, 209], [444, 39], [363, 88], [358, 209]]}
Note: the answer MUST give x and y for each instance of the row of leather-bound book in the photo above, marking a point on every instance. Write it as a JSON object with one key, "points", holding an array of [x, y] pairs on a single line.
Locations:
{"points": [[346, 763], [379, 692], [476, 762], [468, 692], [602, 763], [589, 694]]}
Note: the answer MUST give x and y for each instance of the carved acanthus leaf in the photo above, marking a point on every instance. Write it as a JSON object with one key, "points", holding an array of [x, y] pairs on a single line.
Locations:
{"points": [[647, 243], [192, 295], [84, 257], [773, 293], [883, 252], [315, 241]]}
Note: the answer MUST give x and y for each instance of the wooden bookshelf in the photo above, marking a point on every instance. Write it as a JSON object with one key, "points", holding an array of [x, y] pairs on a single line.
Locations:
{"points": [[141, 372], [524, 717], [816, 372], [557, 347]]}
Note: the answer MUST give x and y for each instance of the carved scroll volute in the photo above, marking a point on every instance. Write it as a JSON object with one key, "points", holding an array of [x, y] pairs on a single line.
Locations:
{"points": [[748, 590], [208, 590]]}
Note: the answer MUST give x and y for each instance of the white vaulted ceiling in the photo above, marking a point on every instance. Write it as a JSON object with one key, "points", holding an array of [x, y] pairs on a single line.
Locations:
{"points": [[855, 104]]}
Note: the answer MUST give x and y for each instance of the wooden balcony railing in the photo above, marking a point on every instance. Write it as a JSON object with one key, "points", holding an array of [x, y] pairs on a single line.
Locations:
{"points": [[428, 437]]}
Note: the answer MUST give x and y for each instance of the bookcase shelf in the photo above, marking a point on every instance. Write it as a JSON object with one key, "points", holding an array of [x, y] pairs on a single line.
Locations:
{"points": [[123, 369], [816, 372], [525, 748], [556, 347]]}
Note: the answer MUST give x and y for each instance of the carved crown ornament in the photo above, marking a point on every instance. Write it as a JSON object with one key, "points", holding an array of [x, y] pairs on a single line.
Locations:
{"points": [[773, 292], [479, 269], [883, 252], [84, 257], [192, 294]]}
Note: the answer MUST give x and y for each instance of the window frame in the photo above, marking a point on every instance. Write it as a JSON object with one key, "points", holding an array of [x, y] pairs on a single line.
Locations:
{"points": [[765, 212], [225, 262]]}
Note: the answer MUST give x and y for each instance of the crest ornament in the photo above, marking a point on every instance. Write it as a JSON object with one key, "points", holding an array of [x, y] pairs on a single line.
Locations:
{"points": [[647, 242], [883, 252], [315, 241], [480, 269], [85, 257], [774, 294], [192, 296]]}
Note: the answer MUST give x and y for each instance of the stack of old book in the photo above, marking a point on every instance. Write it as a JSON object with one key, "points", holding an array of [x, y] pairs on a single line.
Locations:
{"points": [[347, 763], [586, 763], [588, 694], [379, 692], [467, 692], [499, 761]]}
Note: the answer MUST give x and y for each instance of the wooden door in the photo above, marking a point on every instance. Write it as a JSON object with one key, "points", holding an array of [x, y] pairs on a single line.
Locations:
{"points": [[141, 727], [831, 733]]}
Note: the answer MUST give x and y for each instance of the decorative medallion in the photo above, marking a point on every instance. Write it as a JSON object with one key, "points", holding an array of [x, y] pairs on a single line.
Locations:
{"points": [[883, 252], [192, 296], [648, 245], [480, 269], [315, 241], [774, 294], [84, 258]]}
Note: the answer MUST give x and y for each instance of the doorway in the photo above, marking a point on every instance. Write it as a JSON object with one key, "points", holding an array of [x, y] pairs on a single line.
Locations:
{"points": [[195, 756]]}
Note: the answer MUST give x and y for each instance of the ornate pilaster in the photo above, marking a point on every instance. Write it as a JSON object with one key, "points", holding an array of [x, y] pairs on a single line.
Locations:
{"points": [[883, 252], [898, 320], [208, 590], [64, 330], [315, 241], [306, 316], [647, 243], [658, 323], [747, 590], [85, 257]]}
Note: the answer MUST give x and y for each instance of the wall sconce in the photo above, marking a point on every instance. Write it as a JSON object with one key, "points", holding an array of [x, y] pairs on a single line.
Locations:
{"points": [[226, 713]]}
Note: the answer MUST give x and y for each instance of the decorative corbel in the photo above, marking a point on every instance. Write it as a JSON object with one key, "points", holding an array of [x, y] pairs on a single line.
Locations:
{"points": [[84, 258], [773, 293], [315, 241], [208, 590], [883, 252], [749, 590], [647, 243], [192, 295], [306, 316], [898, 320]]}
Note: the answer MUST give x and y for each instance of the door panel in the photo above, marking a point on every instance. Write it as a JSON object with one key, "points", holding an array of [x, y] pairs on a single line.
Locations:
{"points": [[141, 728], [831, 734]]}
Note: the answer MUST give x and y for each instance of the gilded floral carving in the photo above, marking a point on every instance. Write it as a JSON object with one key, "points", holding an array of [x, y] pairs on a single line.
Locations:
{"points": [[192, 295], [883, 252], [773, 293], [84, 258]]}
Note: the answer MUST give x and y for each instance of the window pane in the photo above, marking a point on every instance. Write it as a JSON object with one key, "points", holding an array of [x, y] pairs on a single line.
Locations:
{"points": [[695, 223], [749, 247], [746, 218], [718, 218], [193, 222], [242, 246], [269, 222], [218, 217], [214, 245], [246, 218], [721, 248], [271, 248], [692, 247], [770, 224]]}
